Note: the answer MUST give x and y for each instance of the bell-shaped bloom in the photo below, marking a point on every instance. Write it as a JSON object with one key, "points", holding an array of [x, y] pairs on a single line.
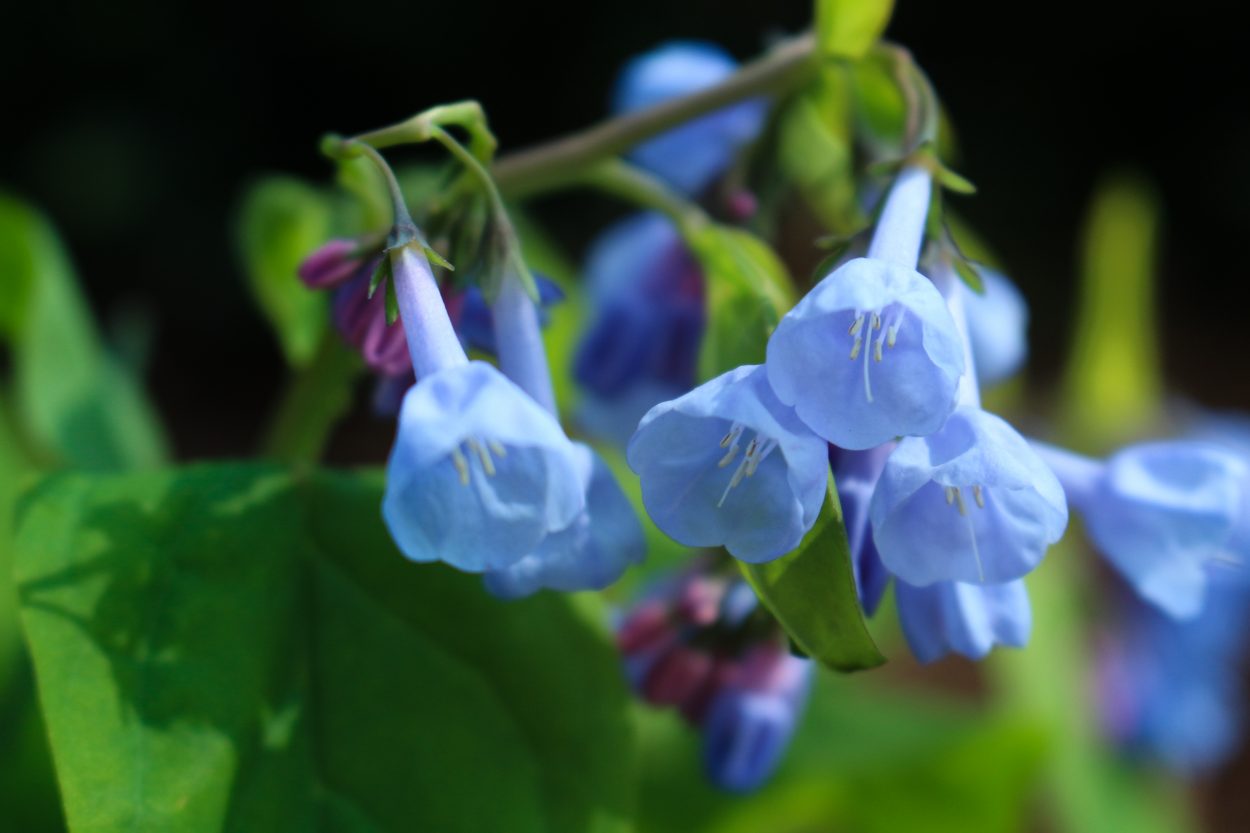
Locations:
{"points": [[692, 155], [872, 352], [998, 321], [970, 503], [968, 619], [474, 322], [750, 722], [729, 465], [645, 290], [856, 474], [1174, 691], [1159, 512], [589, 554], [479, 473]]}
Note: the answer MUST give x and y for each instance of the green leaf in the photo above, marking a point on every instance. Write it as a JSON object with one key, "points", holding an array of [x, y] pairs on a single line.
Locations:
{"points": [[812, 593], [748, 290], [229, 648], [75, 403], [282, 220], [849, 28]]}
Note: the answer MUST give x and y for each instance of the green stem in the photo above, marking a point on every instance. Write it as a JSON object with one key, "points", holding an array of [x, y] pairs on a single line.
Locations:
{"points": [[639, 188], [526, 172], [313, 403], [420, 128]]}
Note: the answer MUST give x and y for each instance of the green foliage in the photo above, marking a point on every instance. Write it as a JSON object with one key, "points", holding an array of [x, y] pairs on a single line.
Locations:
{"points": [[863, 760], [281, 221], [849, 28], [73, 402], [812, 593], [231, 648], [748, 290]]}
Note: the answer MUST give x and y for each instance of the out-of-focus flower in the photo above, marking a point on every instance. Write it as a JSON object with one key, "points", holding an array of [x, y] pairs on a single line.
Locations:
{"points": [[872, 352], [479, 473], [1159, 512], [967, 619], [361, 321], [474, 323], [691, 156], [998, 321], [729, 465], [856, 474]]}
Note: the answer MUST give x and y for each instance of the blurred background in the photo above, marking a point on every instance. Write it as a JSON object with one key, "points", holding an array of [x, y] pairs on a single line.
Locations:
{"points": [[137, 127]]}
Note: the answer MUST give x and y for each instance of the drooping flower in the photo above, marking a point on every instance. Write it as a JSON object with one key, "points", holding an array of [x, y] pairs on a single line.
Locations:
{"points": [[475, 324], [872, 353], [641, 348], [698, 644], [694, 154], [1159, 512], [971, 502], [856, 474], [606, 537], [998, 322], [479, 473], [729, 465], [967, 619]]}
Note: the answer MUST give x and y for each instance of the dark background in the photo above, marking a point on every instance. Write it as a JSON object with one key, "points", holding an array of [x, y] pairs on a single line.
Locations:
{"points": [[137, 125]]}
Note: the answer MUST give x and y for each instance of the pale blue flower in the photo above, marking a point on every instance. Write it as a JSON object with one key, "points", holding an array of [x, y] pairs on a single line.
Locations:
{"points": [[970, 503], [856, 474], [1159, 512], [693, 154], [968, 619], [872, 353], [998, 322], [591, 553], [728, 464]]}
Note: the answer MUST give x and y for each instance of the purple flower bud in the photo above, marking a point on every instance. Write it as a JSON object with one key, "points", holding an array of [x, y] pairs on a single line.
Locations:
{"points": [[333, 264], [361, 321]]}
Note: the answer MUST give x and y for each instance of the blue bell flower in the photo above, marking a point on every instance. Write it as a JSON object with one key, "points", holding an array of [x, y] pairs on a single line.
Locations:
{"points": [[967, 619], [729, 465], [1159, 512], [872, 353], [692, 155], [856, 474], [479, 473], [998, 321], [475, 326], [589, 554], [970, 503]]}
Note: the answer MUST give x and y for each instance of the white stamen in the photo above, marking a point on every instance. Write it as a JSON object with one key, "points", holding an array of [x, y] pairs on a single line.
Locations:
{"points": [[867, 384], [950, 495], [735, 431], [497, 448], [876, 321], [728, 458], [859, 342], [764, 450], [959, 502], [857, 325], [488, 465], [876, 353], [976, 553], [739, 473], [980, 498], [462, 466]]}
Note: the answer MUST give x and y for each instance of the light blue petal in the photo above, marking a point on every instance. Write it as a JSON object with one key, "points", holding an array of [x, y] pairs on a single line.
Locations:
{"points": [[1161, 512], [967, 619], [592, 553], [690, 156], [861, 402], [922, 538], [856, 474], [998, 321], [493, 519], [676, 453]]}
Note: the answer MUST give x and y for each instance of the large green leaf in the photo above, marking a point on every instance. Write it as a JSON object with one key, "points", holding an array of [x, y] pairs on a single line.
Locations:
{"points": [[282, 220], [812, 593], [849, 28], [748, 290], [229, 648], [74, 402]]}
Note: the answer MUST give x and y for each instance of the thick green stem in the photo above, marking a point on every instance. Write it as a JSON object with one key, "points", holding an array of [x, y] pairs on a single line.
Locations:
{"points": [[526, 172], [313, 403], [635, 186], [420, 128]]}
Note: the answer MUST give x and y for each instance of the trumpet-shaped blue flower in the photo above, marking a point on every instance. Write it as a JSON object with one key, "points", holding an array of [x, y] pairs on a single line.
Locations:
{"points": [[728, 464], [1159, 512], [998, 322], [694, 154], [589, 554], [967, 619], [479, 473], [970, 503], [872, 352], [750, 722]]}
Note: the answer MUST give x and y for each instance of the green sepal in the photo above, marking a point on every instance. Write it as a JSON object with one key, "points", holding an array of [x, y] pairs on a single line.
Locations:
{"points": [[969, 274], [392, 303], [380, 275]]}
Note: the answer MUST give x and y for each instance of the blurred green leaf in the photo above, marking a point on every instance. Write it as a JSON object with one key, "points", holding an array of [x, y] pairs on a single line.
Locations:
{"points": [[849, 28], [1114, 380], [748, 290], [862, 760], [228, 648], [281, 221], [74, 402], [812, 593], [815, 149]]}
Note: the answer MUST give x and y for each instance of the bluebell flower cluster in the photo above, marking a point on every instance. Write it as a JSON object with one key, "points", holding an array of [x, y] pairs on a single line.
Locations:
{"points": [[694, 643]]}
